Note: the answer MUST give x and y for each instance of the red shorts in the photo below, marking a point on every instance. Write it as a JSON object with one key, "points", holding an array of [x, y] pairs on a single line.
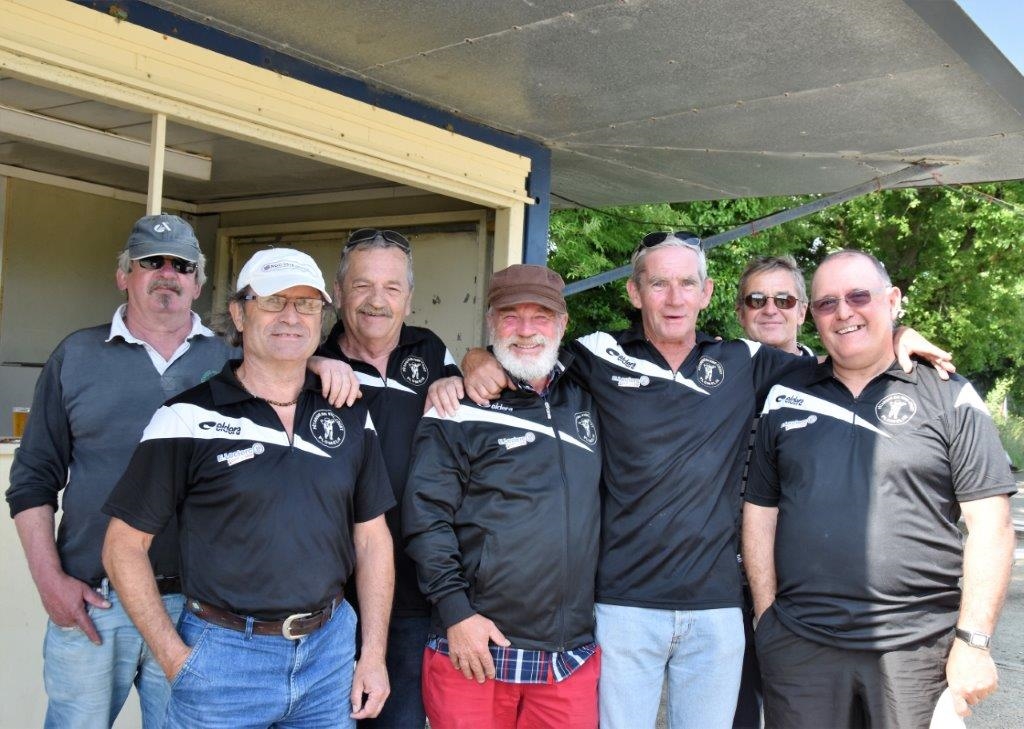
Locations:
{"points": [[454, 702]]}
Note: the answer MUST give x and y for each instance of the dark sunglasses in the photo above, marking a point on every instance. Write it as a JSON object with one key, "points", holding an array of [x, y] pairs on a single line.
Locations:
{"points": [[658, 237], [858, 299], [365, 235], [155, 263], [757, 300]]}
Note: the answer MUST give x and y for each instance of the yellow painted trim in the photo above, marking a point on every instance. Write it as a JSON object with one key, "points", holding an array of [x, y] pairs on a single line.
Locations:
{"points": [[84, 52], [508, 236]]}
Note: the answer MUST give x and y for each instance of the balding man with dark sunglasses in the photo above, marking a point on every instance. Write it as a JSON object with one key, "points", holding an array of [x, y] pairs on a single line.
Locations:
{"points": [[850, 540]]}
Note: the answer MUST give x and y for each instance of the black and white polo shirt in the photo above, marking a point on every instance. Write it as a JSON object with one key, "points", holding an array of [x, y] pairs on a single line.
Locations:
{"points": [[265, 523], [675, 445], [868, 553]]}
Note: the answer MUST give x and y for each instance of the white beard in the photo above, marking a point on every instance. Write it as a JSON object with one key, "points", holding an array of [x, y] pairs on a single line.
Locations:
{"points": [[528, 368]]}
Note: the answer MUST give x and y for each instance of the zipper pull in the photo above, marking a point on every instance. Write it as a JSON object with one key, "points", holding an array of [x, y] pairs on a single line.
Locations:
{"points": [[547, 409]]}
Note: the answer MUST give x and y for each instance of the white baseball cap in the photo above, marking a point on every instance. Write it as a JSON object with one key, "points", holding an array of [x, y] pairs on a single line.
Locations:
{"points": [[273, 270]]}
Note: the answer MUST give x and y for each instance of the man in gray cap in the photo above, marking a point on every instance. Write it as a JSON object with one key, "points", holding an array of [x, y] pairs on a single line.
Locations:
{"points": [[93, 399]]}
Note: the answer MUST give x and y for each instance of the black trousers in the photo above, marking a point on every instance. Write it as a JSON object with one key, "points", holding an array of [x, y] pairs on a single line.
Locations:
{"points": [[748, 704], [808, 685]]}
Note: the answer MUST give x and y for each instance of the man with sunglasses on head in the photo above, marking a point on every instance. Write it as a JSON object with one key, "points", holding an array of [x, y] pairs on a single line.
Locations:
{"points": [[92, 401], [396, 363], [675, 407], [850, 539], [278, 497]]}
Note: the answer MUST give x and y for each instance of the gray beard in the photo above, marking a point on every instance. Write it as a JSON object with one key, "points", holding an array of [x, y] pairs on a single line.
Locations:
{"points": [[527, 370]]}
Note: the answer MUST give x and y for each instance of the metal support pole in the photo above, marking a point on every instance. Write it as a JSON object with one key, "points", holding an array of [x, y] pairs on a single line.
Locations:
{"points": [[157, 140], [770, 221]]}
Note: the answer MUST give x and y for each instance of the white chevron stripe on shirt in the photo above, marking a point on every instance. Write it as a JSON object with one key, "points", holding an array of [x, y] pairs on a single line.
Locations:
{"points": [[467, 414], [780, 397], [183, 420], [599, 344], [366, 380], [969, 397]]}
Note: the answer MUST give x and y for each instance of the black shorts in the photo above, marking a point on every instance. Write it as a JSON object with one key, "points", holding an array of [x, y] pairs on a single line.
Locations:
{"points": [[808, 685]]}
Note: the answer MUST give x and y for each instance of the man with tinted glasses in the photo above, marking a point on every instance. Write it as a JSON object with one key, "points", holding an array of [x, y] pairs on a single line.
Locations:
{"points": [[278, 497], [850, 538], [395, 364], [93, 399], [675, 407], [771, 302]]}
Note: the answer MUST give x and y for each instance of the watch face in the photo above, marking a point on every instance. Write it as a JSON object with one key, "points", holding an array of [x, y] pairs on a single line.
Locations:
{"points": [[977, 639]]}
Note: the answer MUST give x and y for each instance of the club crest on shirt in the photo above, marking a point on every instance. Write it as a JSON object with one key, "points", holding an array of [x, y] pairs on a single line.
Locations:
{"points": [[585, 428], [895, 409], [327, 428], [414, 370], [710, 372]]}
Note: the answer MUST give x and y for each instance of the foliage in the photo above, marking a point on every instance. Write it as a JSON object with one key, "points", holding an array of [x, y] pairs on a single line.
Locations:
{"points": [[957, 255]]}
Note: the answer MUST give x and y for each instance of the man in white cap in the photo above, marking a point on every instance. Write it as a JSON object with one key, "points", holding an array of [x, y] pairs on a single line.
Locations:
{"points": [[278, 496]]}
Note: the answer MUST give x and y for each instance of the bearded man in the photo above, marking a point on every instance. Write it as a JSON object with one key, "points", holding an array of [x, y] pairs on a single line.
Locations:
{"points": [[501, 514]]}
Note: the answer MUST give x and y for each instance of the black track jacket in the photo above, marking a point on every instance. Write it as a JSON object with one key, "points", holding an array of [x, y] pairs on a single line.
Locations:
{"points": [[502, 514]]}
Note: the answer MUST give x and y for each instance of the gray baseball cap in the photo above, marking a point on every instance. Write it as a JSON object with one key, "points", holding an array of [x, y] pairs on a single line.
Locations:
{"points": [[162, 235]]}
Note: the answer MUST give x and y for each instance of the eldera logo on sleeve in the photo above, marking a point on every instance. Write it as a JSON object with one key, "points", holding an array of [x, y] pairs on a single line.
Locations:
{"points": [[895, 409], [327, 428], [414, 370]]}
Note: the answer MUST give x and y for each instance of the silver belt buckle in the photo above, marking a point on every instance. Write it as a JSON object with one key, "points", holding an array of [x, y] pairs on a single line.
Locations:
{"points": [[286, 626]]}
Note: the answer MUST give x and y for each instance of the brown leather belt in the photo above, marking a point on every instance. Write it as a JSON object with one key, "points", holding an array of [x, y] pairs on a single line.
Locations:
{"points": [[293, 627]]}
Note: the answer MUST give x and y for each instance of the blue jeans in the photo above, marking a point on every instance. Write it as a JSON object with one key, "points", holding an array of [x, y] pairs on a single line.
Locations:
{"points": [[235, 679], [404, 707], [87, 684], [699, 651]]}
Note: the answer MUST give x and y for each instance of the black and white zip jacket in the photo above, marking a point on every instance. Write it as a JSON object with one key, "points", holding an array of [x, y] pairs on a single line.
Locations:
{"points": [[502, 513]]}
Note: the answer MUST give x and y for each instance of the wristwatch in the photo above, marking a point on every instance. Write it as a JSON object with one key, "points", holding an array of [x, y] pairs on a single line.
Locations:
{"points": [[974, 639]]}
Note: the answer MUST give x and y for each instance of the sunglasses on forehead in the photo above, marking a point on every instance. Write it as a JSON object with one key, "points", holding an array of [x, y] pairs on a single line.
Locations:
{"points": [[658, 237], [757, 300], [365, 235], [155, 263]]}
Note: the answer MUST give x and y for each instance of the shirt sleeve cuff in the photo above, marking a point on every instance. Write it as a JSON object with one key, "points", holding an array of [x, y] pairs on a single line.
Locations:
{"points": [[454, 608]]}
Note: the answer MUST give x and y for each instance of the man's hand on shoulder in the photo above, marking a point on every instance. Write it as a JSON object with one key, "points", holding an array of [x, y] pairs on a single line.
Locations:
{"points": [[339, 381], [483, 377], [910, 342], [971, 675], [443, 395], [468, 642]]}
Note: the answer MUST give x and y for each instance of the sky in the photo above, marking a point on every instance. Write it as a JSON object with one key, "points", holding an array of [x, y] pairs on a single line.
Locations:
{"points": [[1003, 22]]}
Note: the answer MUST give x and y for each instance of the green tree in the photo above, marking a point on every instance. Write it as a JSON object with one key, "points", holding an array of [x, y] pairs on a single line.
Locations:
{"points": [[957, 255]]}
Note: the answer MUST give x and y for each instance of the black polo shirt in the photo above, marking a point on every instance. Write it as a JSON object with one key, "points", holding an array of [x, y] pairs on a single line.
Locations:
{"points": [[396, 405], [867, 550], [264, 525], [674, 450]]}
